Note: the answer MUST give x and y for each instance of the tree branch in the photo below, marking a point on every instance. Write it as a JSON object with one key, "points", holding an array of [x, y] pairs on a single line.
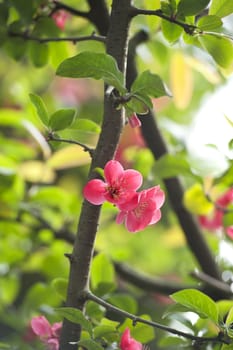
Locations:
{"points": [[74, 40], [188, 28], [61, 6], [175, 190], [109, 137], [51, 137], [218, 339]]}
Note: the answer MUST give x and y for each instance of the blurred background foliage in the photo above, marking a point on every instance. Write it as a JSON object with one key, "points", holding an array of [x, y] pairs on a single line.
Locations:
{"points": [[41, 182]]}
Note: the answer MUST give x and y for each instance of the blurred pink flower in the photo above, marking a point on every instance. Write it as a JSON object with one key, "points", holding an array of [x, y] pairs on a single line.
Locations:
{"points": [[119, 186], [145, 212], [60, 17], [128, 343], [134, 121], [215, 220], [48, 334]]}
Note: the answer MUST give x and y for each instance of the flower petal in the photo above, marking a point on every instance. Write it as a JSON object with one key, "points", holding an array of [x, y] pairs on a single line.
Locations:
{"points": [[156, 217], [128, 343], [120, 217], [112, 171], [94, 191], [131, 180], [41, 327]]}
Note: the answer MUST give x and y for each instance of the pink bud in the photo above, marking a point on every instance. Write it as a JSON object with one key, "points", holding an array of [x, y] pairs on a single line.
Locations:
{"points": [[128, 343], [134, 122]]}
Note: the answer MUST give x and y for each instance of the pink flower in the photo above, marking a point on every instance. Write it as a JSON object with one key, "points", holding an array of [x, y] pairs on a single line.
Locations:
{"points": [[134, 121], [48, 334], [215, 220], [145, 212], [60, 17], [128, 343], [119, 186]]}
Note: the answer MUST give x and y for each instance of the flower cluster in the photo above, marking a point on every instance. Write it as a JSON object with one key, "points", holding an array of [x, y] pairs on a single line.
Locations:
{"points": [[215, 221], [48, 334], [137, 209]]}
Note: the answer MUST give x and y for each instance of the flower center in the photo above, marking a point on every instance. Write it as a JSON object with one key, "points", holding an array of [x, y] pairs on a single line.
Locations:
{"points": [[140, 209], [113, 192]]}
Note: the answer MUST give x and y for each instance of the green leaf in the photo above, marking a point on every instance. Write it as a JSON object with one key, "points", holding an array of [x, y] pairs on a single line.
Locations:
{"points": [[197, 302], [61, 119], [102, 271], [168, 7], [195, 200], [173, 342], [103, 330], [171, 165], [86, 125], [75, 316], [221, 8], [229, 319], [90, 344], [138, 104], [171, 31], [93, 65], [191, 8], [40, 108], [141, 332], [124, 302], [4, 346], [60, 286], [16, 47], [220, 48], [7, 177], [223, 307], [39, 53], [4, 13], [25, 9], [209, 22], [148, 84], [228, 218]]}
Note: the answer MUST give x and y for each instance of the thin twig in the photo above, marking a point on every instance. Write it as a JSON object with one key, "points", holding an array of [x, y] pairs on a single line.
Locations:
{"points": [[51, 137], [74, 40], [188, 28], [218, 339], [212, 282], [61, 6]]}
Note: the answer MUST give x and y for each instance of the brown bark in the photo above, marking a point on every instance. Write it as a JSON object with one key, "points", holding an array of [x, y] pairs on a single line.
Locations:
{"points": [[81, 256]]}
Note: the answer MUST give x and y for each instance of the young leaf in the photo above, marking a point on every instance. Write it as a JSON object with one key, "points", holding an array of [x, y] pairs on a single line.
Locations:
{"points": [[103, 330], [148, 84], [170, 165], [195, 200], [61, 119], [209, 22], [102, 271], [191, 8], [221, 8], [171, 31], [220, 48], [39, 53], [228, 219], [75, 316], [138, 104], [93, 65], [40, 108], [197, 302], [90, 344], [60, 286]]}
